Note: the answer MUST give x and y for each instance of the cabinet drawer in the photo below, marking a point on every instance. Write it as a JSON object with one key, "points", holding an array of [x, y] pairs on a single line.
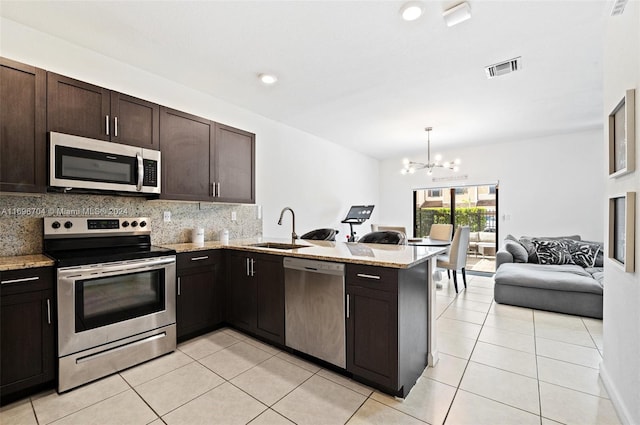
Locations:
{"points": [[26, 280], [380, 278], [197, 259]]}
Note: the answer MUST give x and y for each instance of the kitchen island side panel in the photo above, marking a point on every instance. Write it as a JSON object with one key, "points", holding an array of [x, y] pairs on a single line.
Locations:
{"points": [[413, 317]]}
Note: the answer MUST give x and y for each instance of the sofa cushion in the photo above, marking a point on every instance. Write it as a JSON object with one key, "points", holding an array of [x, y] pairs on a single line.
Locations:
{"points": [[486, 237], [515, 248], [525, 241], [552, 251], [566, 277], [583, 253]]}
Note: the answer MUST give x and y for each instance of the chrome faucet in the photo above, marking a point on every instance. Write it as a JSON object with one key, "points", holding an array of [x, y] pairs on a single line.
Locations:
{"points": [[293, 223]]}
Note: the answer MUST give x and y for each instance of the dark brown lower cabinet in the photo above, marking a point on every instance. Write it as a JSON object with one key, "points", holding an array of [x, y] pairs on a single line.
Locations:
{"points": [[387, 325], [255, 290], [200, 292], [27, 331]]}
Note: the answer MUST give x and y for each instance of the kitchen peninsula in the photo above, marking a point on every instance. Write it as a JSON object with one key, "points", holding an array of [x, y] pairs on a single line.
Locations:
{"points": [[390, 300]]}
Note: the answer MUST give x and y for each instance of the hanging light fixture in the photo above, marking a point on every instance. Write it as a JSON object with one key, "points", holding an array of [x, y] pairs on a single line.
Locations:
{"points": [[411, 167]]}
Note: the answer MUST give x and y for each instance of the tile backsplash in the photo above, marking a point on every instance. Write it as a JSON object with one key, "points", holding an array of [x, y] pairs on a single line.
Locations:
{"points": [[21, 218]]}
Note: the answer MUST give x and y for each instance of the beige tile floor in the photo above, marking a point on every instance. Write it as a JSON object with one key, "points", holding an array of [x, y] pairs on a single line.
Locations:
{"points": [[498, 365]]}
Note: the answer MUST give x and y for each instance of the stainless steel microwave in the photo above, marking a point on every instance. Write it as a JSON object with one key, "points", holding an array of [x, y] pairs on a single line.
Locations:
{"points": [[82, 164]]}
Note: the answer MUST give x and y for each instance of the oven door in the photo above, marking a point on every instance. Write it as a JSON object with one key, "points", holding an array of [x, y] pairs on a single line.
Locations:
{"points": [[102, 303]]}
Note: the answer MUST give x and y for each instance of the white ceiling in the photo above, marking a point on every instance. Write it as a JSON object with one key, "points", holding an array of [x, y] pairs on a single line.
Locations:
{"points": [[354, 72]]}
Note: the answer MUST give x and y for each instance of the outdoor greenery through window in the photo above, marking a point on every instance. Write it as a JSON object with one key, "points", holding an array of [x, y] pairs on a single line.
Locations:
{"points": [[473, 206]]}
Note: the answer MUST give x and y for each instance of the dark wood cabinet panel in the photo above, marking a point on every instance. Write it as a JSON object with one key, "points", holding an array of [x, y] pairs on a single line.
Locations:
{"points": [[234, 164], [27, 330], [78, 108], [200, 292], [136, 121], [255, 288], [372, 335], [83, 109], [269, 273], [185, 143], [23, 140]]}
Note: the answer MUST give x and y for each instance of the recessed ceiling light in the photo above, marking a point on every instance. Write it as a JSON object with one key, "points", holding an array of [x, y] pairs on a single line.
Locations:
{"points": [[268, 79], [411, 11]]}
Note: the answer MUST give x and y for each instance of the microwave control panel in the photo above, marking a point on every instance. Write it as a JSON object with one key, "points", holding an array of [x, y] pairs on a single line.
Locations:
{"points": [[150, 177]]}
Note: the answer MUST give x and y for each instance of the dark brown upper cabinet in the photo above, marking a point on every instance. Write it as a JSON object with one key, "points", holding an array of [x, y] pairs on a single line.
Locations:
{"points": [[82, 109], [205, 161], [23, 141], [235, 164]]}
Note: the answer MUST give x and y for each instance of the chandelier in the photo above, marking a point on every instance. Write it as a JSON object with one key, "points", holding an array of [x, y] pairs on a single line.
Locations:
{"points": [[410, 167]]}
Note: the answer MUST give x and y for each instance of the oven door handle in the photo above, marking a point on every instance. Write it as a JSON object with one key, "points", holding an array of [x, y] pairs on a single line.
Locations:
{"points": [[103, 269]]}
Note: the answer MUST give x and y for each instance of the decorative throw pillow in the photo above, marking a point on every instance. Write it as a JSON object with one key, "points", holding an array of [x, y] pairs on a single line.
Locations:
{"points": [[552, 251], [583, 253], [510, 237], [519, 253], [525, 241]]}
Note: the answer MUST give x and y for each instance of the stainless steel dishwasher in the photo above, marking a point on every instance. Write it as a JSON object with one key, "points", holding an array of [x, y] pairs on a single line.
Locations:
{"points": [[315, 310]]}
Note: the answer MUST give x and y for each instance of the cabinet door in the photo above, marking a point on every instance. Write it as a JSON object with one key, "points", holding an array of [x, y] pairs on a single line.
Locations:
{"points": [[23, 140], [372, 335], [78, 108], [235, 164], [185, 143], [269, 273], [198, 300], [27, 331], [241, 292], [136, 122]]}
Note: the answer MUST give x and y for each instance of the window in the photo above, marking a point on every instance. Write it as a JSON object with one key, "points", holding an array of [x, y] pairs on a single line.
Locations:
{"points": [[434, 193]]}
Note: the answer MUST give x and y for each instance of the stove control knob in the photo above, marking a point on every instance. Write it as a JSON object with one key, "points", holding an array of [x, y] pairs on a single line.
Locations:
{"points": [[134, 224], [125, 224], [55, 224], [143, 224], [68, 225]]}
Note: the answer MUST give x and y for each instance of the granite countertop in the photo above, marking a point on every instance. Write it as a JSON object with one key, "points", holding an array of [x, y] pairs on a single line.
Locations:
{"points": [[394, 256], [25, 262]]}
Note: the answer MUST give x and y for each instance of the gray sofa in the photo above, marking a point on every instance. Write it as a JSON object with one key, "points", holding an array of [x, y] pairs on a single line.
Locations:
{"points": [[569, 280]]}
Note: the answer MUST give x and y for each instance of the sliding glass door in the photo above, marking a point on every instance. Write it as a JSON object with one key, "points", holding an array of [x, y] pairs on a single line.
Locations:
{"points": [[473, 206]]}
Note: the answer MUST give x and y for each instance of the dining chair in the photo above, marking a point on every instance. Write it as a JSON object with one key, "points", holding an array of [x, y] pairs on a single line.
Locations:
{"points": [[391, 237], [382, 228], [456, 258], [325, 234], [441, 232]]}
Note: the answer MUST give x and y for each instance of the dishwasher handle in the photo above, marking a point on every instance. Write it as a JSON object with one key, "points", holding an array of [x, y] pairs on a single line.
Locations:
{"points": [[313, 266]]}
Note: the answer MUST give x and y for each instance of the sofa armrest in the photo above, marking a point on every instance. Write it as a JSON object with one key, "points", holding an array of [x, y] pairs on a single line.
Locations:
{"points": [[502, 257]]}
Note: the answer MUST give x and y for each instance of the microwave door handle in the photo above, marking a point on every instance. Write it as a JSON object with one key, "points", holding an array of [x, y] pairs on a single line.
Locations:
{"points": [[140, 172]]}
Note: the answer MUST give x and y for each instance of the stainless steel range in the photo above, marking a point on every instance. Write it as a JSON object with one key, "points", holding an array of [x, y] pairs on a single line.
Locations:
{"points": [[116, 295]]}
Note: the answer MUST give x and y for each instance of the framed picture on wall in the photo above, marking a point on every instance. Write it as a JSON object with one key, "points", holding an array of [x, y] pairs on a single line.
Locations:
{"points": [[622, 136], [622, 212]]}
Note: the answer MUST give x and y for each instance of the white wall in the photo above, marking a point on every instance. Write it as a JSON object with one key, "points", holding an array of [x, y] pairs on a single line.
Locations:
{"points": [[620, 370], [548, 186], [316, 177]]}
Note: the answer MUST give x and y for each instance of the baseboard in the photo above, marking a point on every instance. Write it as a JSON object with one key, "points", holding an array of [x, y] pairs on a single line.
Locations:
{"points": [[614, 395]]}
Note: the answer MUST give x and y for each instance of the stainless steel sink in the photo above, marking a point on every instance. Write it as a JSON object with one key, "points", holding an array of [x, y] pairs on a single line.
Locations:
{"points": [[278, 245]]}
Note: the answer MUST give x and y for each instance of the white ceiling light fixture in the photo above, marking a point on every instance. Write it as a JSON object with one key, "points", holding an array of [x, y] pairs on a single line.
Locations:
{"points": [[410, 167], [268, 79], [456, 14], [411, 11]]}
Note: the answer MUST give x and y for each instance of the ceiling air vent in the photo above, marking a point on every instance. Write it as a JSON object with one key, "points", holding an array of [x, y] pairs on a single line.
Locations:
{"points": [[502, 68]]}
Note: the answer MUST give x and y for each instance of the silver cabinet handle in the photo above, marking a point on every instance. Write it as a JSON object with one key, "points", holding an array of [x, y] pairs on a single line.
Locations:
{"points": [[200, 258], [24, 279], [212, 192], [253, 262], [368, 276], [218, 189], [106, 124], [179, 286], [48, 311], [247, 263], [115, 129], [348, 302]]}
